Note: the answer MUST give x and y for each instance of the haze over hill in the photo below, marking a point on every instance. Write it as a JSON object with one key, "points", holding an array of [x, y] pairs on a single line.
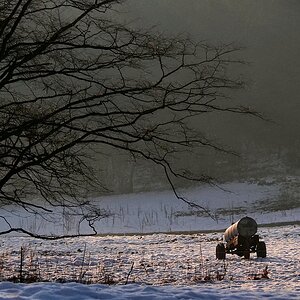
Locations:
{"points": [[268, 32]]}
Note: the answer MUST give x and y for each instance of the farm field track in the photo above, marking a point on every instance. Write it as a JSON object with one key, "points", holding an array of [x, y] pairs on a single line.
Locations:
{"points": [[157, 259]]}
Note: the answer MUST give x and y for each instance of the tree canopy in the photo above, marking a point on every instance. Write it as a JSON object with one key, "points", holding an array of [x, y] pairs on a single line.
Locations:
{"points": [[72, 77]]}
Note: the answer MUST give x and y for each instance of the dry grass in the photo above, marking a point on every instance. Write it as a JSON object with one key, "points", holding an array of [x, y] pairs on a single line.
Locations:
{"points": [[29, 265]]}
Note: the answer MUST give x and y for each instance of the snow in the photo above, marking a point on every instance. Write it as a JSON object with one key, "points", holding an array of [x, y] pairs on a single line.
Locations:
{"points": [[154, 266], [161, 211], [74, 291], [162, 265]]}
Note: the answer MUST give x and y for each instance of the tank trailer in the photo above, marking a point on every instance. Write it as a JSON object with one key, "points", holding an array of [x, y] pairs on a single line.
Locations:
{"points": [[241, 239]]}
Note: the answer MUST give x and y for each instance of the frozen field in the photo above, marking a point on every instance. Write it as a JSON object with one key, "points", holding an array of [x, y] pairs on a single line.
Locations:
{"points": [[157, 266], [161, 265], [161, 211]]}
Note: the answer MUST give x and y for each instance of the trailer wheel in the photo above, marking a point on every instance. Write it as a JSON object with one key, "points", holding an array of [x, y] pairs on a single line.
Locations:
{"points": [[247, 254], [220, 251], [261, 249]]}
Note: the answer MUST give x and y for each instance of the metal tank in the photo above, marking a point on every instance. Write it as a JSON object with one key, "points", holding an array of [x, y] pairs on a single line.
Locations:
{"points": [[245, 227], [241, 239]]}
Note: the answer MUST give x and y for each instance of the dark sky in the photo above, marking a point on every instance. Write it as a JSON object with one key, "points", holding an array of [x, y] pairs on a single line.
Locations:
{"points": [[270, 32]]}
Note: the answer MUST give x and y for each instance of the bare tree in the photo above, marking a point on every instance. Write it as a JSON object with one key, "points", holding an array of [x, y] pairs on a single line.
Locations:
{"points": [[71, 77]]}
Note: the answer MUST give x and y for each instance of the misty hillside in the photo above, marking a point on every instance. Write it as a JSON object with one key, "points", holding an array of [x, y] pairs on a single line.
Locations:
{"points": [[268, 34]]}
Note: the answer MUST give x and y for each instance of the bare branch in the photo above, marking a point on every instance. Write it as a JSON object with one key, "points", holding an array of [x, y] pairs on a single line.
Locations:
{"points": [[72, 79]]}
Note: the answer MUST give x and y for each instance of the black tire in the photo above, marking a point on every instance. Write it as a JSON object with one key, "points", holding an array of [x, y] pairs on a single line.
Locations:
{"points": [[261, 249], [239, 252], [220, 251], [247, 254]]}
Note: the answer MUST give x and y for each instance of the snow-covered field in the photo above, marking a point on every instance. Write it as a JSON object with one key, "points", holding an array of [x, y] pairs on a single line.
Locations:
{"points": [[161, 211], [147, 265], [267, 202], [156, 266]]}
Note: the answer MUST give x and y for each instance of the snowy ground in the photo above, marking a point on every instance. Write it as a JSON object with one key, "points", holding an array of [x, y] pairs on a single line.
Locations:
{"points": [[161, 265], [266, 202], [157, 266]]}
